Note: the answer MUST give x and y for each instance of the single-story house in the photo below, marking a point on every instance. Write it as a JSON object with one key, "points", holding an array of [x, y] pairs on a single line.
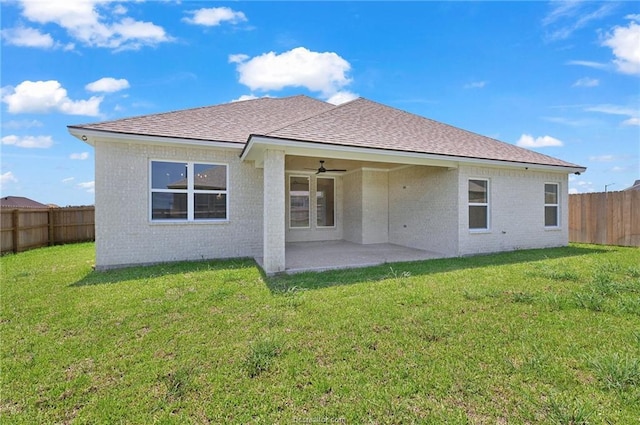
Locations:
{"points": [[245, 179]]}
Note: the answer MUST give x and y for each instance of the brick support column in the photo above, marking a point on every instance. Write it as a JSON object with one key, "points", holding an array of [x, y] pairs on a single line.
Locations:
{"points": [[274, 212]]}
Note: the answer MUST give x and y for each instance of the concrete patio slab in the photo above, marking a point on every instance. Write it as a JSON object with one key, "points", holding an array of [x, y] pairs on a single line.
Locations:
{"points": [[330, 255]]}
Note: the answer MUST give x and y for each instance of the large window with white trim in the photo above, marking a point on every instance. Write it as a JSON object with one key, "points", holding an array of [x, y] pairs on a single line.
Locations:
{"points": [[551, 205], [478, 204], [188, 191]]}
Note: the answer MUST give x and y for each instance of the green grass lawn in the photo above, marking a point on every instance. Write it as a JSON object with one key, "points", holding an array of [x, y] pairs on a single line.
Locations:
{"points": [[538, 336]]}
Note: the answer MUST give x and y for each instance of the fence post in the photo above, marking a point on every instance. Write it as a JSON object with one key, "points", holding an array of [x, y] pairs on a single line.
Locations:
{"points": [[14, 231], [51, 226]]}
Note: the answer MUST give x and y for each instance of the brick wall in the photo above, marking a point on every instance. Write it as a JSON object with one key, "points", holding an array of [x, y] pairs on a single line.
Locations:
{"points": [[423, 205], [516, 211], [124, 233], [352, 206]]}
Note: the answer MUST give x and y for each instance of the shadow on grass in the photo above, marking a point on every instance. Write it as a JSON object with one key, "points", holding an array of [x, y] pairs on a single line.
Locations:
{"points": [[316, 280], [164, 269]]}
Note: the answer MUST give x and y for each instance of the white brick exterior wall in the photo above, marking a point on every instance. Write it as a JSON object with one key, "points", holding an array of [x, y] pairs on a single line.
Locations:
{"points": [[352, 186], [124, 233], [417, 206], [516, 208], [366, 214], [274, 207], [375, 206], [422, 208]]}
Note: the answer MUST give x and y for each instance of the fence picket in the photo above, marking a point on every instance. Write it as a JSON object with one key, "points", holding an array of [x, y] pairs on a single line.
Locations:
{"points": [[608, 218], [24, 229]]}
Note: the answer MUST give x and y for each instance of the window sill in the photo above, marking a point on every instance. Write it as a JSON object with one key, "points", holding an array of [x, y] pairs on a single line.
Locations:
{"points": [[552, 229], [479, 231], [185, 222]]}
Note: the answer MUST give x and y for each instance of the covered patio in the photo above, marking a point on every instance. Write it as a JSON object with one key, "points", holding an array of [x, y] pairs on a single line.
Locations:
{"points": [[331, 255]]}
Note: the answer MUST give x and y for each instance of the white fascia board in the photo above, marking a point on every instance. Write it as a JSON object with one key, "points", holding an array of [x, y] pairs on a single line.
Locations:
{"points": [[91, 136], [257, 144]]}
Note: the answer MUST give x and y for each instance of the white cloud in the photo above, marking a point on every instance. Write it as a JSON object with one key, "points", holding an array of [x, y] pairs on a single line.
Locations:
{"points": [[90, 187], [68, 180], [28, 142], [632, 113], [91, 23], [20, 124], [587, 82], [320, 72], [475, 85], [80, 156], [107, 85], [569, 122], [245, 97], [582, 186], [625, 43], [602, 158], [342, 97], [27, 37], [238, 58], [588, 64], [47, 96], [527, 141], [215, 16], [7, 177], [567, 17]]}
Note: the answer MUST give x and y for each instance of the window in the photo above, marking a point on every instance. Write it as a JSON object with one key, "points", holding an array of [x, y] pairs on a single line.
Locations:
{"points": [[325, 202], [309, 195], [188, 191], [478, 204], [299, 202], [551, 205]]}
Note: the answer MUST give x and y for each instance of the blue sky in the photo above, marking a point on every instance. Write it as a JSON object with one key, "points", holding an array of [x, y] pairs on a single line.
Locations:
{"points": [[561, 78]]}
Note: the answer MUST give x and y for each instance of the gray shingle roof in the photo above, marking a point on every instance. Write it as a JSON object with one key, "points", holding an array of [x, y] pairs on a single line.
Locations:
{"points": [[359, 123], [364, 123], [229, 122], [20, 202]]}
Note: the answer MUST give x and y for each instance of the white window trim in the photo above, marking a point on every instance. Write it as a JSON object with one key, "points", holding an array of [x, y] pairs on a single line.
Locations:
{"points": [[557, 205], [308, 177], [480, 204], [190, 191], [334, 201]]}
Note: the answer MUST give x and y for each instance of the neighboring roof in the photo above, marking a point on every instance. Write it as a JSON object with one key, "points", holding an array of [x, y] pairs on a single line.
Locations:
{"points": [[19, 202], [635, 186], [229, 122], [360, 123]]}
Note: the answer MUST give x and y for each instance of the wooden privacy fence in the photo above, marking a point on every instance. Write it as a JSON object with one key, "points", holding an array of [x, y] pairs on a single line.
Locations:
{"points": [[607, 218], [24, 229]]}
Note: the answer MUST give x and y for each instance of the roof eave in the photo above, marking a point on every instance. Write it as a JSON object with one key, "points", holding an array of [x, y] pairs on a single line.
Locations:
{"points": [[90, 136], [257, 143]]}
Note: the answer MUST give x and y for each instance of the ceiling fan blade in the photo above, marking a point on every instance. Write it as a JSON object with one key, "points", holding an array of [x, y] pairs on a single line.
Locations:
{"points": [[335, 170]]}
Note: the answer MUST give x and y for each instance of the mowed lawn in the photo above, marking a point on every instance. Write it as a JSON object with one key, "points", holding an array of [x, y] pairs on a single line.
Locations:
{"points": [[537, 336]]}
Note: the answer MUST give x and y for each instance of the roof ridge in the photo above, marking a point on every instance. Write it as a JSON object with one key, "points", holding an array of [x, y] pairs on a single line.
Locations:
{"points": [[309, 117]]}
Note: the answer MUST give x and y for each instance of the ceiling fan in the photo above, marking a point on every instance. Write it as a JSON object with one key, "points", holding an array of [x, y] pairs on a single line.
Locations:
{"points": [[321, 169]]}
